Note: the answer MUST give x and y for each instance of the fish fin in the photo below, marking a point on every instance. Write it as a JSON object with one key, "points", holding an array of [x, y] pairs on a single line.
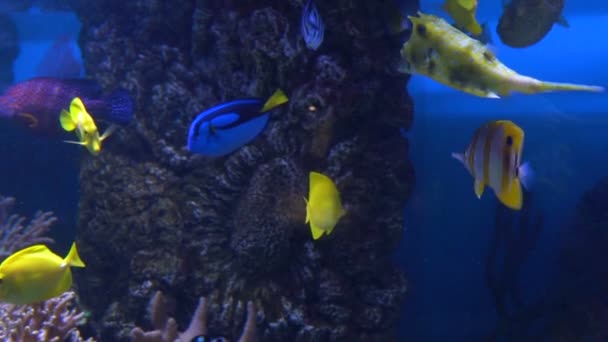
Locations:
{"points": [[307, 211], [554, 86], [76, 106], [475, 28], [30, 119], [65, 119], [277, 99], [492, 95], [35, 249], [526, 175], [81, 143], [73, 259], [108, 132], [562, 21], [479, 186], [512, 196], [458, 156], [120, 107], [468, 4], [316, 231], [403, 67]]}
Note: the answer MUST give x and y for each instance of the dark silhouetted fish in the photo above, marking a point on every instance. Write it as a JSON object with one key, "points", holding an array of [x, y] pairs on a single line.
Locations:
{"points": [[38, 102], [60, 60], [526, 22]]}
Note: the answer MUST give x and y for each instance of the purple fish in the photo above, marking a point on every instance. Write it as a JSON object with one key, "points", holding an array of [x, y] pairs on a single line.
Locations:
{"points": [[38, 102]]}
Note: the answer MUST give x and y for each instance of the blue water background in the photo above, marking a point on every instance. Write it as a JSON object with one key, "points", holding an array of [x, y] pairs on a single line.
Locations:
{"points": [[41, 173], [448, 229]]}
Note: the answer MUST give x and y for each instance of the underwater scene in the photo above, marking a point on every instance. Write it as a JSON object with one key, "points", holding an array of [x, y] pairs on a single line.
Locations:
{"points": [[303, 170]]}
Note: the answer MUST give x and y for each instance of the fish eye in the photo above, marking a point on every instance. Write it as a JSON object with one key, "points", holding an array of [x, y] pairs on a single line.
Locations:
{"points": [[312, 108], [200, 338], [509, 140], [421, 29]]}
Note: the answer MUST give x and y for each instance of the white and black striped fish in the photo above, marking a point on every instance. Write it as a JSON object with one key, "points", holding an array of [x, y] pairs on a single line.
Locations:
{"points": [[313, 28], [494, 159]]}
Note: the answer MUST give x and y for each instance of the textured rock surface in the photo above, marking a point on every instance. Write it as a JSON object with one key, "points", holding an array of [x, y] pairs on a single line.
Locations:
{"points": [[154, 217]]}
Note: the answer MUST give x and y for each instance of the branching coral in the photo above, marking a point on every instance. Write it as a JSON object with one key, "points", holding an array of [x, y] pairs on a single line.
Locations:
{"points": [[166, 327], [54, 320], [14, 235]]}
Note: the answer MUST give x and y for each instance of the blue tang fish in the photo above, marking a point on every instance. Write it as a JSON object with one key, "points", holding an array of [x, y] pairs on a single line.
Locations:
{"points": [[313, 29], [226, 127]]}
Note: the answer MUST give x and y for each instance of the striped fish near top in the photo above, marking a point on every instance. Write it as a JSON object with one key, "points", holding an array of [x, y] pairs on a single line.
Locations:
{"points": [[494, 159], [313, 29]]}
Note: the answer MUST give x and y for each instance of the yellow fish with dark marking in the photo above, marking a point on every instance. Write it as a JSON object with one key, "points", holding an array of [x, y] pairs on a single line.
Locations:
{"points": [[438, 50], [463, 13], [493, 158], [35, 274], [79, 120], [323, 207]]}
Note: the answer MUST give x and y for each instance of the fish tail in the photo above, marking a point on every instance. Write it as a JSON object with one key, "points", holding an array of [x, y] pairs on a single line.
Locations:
{"points": [[458, 156], [526, 175], [553, 86], [73, 259], [277, 99], [65, 119], [119, 107]]}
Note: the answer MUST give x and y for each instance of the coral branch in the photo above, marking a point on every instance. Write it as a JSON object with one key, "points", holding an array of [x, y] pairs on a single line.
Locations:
{"points": [[166, 328], [14, 235], [52, 321]]}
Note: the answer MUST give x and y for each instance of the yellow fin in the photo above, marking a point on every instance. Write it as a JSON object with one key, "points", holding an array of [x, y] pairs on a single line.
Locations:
{"points": [[468, 4], [277, 99], [478, 188], [77, 106], [474, 28], [73, 259], [35, 249], [65, 119], [512, 196], [316, 231]]}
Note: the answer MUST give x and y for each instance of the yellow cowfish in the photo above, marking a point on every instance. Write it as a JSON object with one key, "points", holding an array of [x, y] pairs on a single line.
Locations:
{"points": [[35, 274], [441, 52], [323, 207], [494, 158], [79, 120], [463, 13]]}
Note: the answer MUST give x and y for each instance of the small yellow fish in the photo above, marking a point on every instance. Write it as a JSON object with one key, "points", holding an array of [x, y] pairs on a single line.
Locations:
{"points": [[463, 13], [79, 120], [35, 274], [323, 207], [493, 158], [438, 50]]}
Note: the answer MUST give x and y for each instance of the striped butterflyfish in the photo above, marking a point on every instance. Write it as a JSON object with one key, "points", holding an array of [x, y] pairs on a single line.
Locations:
{"points": [[494, 159]]}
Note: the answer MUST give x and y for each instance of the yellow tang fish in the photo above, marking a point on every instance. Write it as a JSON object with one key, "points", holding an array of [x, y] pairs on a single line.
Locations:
{"points": [[463, 13], [438, 50], [79, 120], [323, 207], [35, 274], [493, 158]]}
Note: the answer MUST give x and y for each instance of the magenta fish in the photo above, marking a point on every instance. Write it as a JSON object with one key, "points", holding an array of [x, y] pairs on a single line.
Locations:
{"points": [[38, 102]]}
